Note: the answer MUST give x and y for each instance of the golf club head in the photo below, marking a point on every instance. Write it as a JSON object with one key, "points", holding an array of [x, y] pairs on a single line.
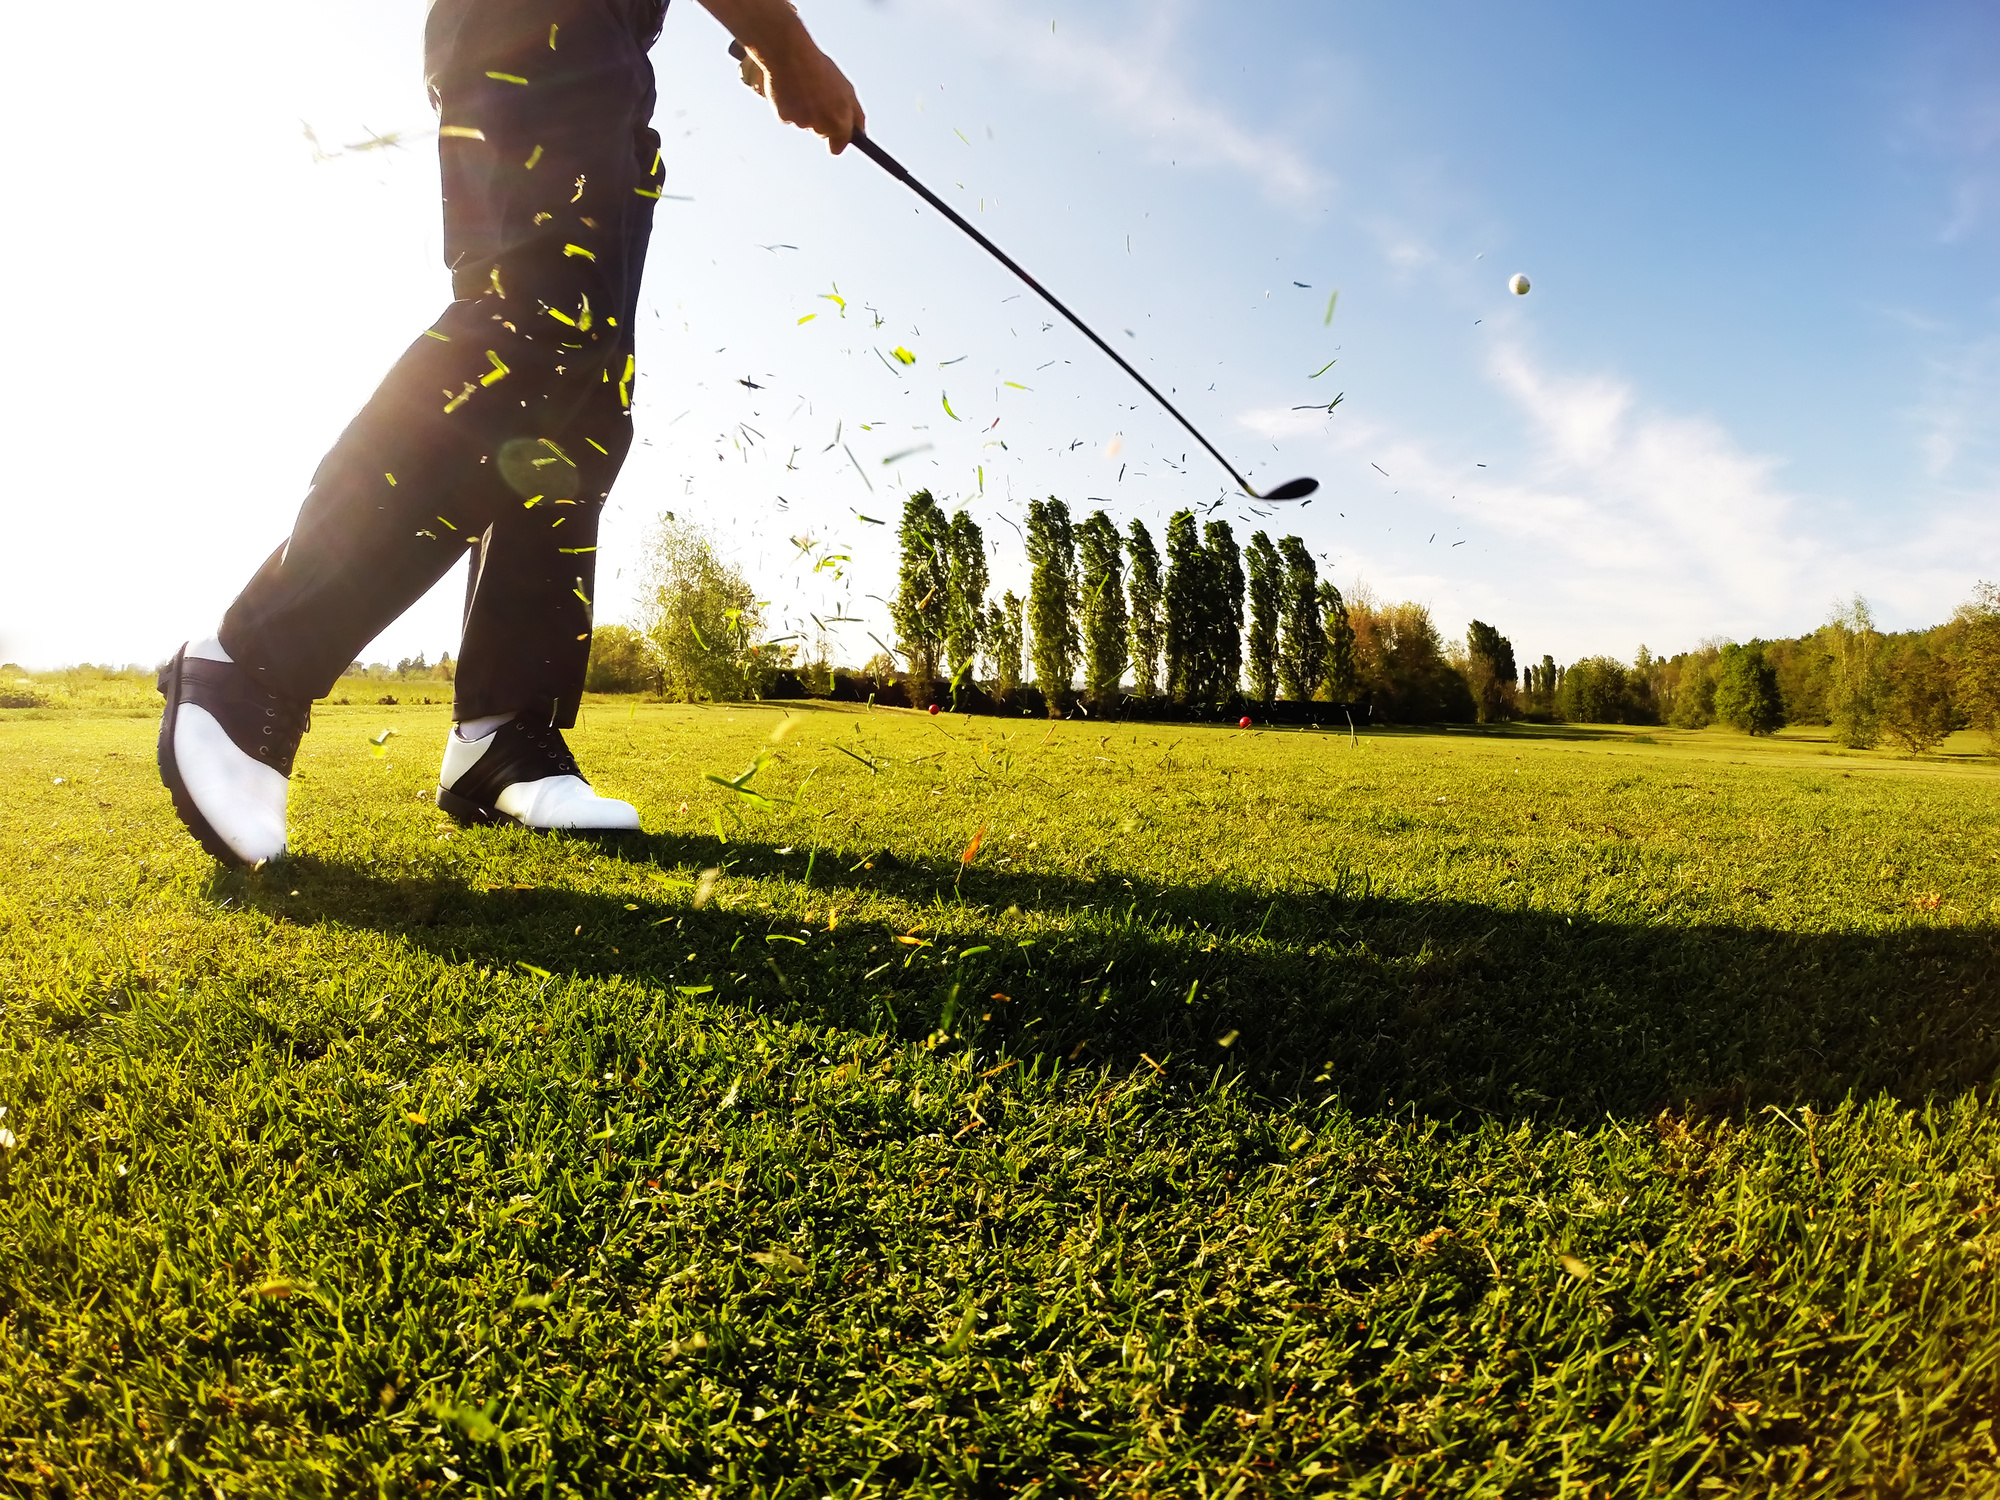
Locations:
{"points": [[1291, 489]]}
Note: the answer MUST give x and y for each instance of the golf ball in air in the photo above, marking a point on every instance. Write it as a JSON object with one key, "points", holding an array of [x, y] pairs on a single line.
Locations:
{"points": [[1518, 285]]}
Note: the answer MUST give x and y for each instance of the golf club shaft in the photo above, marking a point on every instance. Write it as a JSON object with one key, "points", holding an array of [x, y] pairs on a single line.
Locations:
{"points": [[896, 169]]}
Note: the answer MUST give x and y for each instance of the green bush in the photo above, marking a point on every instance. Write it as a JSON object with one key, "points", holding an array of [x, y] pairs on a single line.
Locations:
{"points": [[619, 661]]}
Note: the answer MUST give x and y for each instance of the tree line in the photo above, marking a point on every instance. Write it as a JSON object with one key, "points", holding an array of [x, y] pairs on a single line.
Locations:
{"points": [[1908, 689], [1104, 604], [1115, 623]]}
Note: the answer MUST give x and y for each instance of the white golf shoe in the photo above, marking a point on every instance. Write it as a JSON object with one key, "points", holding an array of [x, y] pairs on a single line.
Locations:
{"points": [[524, 773], [226, 750]]}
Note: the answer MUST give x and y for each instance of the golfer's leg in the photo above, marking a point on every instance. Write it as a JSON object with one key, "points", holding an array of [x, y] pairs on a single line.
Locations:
{"points": [[540, 101], [541, 189], [529, 611], [530, 608]]}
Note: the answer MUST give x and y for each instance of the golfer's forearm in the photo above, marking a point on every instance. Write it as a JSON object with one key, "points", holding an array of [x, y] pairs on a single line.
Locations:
{"points": [[769, 28]]}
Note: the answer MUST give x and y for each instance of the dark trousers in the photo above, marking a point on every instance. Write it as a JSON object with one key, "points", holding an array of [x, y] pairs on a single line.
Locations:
{"points": [[499, 431]]}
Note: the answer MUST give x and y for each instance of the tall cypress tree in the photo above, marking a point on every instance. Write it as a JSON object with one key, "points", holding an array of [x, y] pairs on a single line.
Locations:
{"points": [[1490, 669], [1341, 683], [1302, 654], [922, 587], [1142, 593], [1225, 624], [965, 598], [1261, 660], [1000, 637], [1101, 592], [1186, 590], [1052, 599]]}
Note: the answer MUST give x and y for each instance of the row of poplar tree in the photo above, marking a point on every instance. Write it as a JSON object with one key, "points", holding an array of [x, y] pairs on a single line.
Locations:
{"points": [[1102, 603]]}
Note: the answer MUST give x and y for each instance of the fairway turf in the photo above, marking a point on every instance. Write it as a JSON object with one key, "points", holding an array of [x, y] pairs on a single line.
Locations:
{"points": [[1553, 1112]]}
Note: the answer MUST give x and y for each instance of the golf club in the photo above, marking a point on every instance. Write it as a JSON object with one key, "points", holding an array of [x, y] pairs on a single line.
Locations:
{"points": [[1291, 489]]}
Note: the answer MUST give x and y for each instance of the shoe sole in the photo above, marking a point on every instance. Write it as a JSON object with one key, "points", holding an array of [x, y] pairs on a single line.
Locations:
{"points": [[469, 814], [170, 773]]}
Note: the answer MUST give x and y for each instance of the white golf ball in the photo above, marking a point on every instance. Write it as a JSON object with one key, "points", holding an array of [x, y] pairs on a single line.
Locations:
{"points": [[1518, 285]]}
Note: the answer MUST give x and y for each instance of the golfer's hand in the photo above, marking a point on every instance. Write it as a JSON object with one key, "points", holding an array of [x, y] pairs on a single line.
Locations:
{"points": [[785, 65], [808, 90]]}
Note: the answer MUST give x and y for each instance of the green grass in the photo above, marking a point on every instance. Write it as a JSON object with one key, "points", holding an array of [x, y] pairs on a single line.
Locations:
{"points": [[1560, 1112]]}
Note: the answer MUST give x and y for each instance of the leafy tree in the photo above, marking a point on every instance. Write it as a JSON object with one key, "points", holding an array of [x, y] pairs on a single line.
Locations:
{"points": [[1261, 561], [1854, 654], [1224, 633], [1303, 643], [1691, 702], [815, 669], [965, 597], [1918, 711], [1400, 663], [1482, 639], [1490, 670], [619, 661], [1052, 599], [923, 585], [1534, 696], [1595, 690], [1746, 690], [1102, 597], [1342, 684], [1185, 599], [1805, 679], [1646, 684], [1978, 690], [699, 615], [1002, 640], [1143, 597]]}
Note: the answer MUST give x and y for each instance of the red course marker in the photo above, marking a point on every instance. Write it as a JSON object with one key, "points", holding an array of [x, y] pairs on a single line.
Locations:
{"points": [[1244, 722], [933, 708]]}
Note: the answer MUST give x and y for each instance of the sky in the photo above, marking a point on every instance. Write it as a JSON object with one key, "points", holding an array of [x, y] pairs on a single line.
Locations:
{"points": [[1758, 370]]}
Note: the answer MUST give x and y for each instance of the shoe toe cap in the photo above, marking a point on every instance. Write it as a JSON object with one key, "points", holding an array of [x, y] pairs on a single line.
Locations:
{"points": [[567, 802], [241, 800]]}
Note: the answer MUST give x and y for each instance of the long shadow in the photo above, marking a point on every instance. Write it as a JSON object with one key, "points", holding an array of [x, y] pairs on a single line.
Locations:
{"points": [[1450, 1007]]}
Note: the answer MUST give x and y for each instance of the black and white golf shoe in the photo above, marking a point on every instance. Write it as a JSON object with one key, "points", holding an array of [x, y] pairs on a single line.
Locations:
{"points": [[523, 773], [226, 750]]}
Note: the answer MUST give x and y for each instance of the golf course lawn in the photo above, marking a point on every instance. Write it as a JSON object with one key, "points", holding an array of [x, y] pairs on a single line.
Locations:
{"points": [[1558, 1111]]}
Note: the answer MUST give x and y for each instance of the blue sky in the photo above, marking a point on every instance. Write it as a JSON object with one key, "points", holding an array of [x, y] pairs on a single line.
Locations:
{"points": [[1758, 369]]}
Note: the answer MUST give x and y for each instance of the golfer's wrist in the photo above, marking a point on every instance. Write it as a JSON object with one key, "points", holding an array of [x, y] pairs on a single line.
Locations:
{"points": [[787, 51], [771, 30]]}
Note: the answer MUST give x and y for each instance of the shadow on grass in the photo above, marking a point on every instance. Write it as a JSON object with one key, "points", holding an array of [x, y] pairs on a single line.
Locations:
{"points": [[1453, 1008]]}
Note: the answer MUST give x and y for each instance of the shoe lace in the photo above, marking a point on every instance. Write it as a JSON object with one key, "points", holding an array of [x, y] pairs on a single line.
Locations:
{"points": [[549, 741]]}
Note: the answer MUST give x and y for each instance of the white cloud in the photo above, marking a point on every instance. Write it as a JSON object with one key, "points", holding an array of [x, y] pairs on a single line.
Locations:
{"points": [[1404, 251], [1616, 522], [1622, 490], [1135, 84]]}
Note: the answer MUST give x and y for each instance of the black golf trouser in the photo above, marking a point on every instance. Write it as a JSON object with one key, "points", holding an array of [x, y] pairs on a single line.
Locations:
{"points": [[500, 430]]}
